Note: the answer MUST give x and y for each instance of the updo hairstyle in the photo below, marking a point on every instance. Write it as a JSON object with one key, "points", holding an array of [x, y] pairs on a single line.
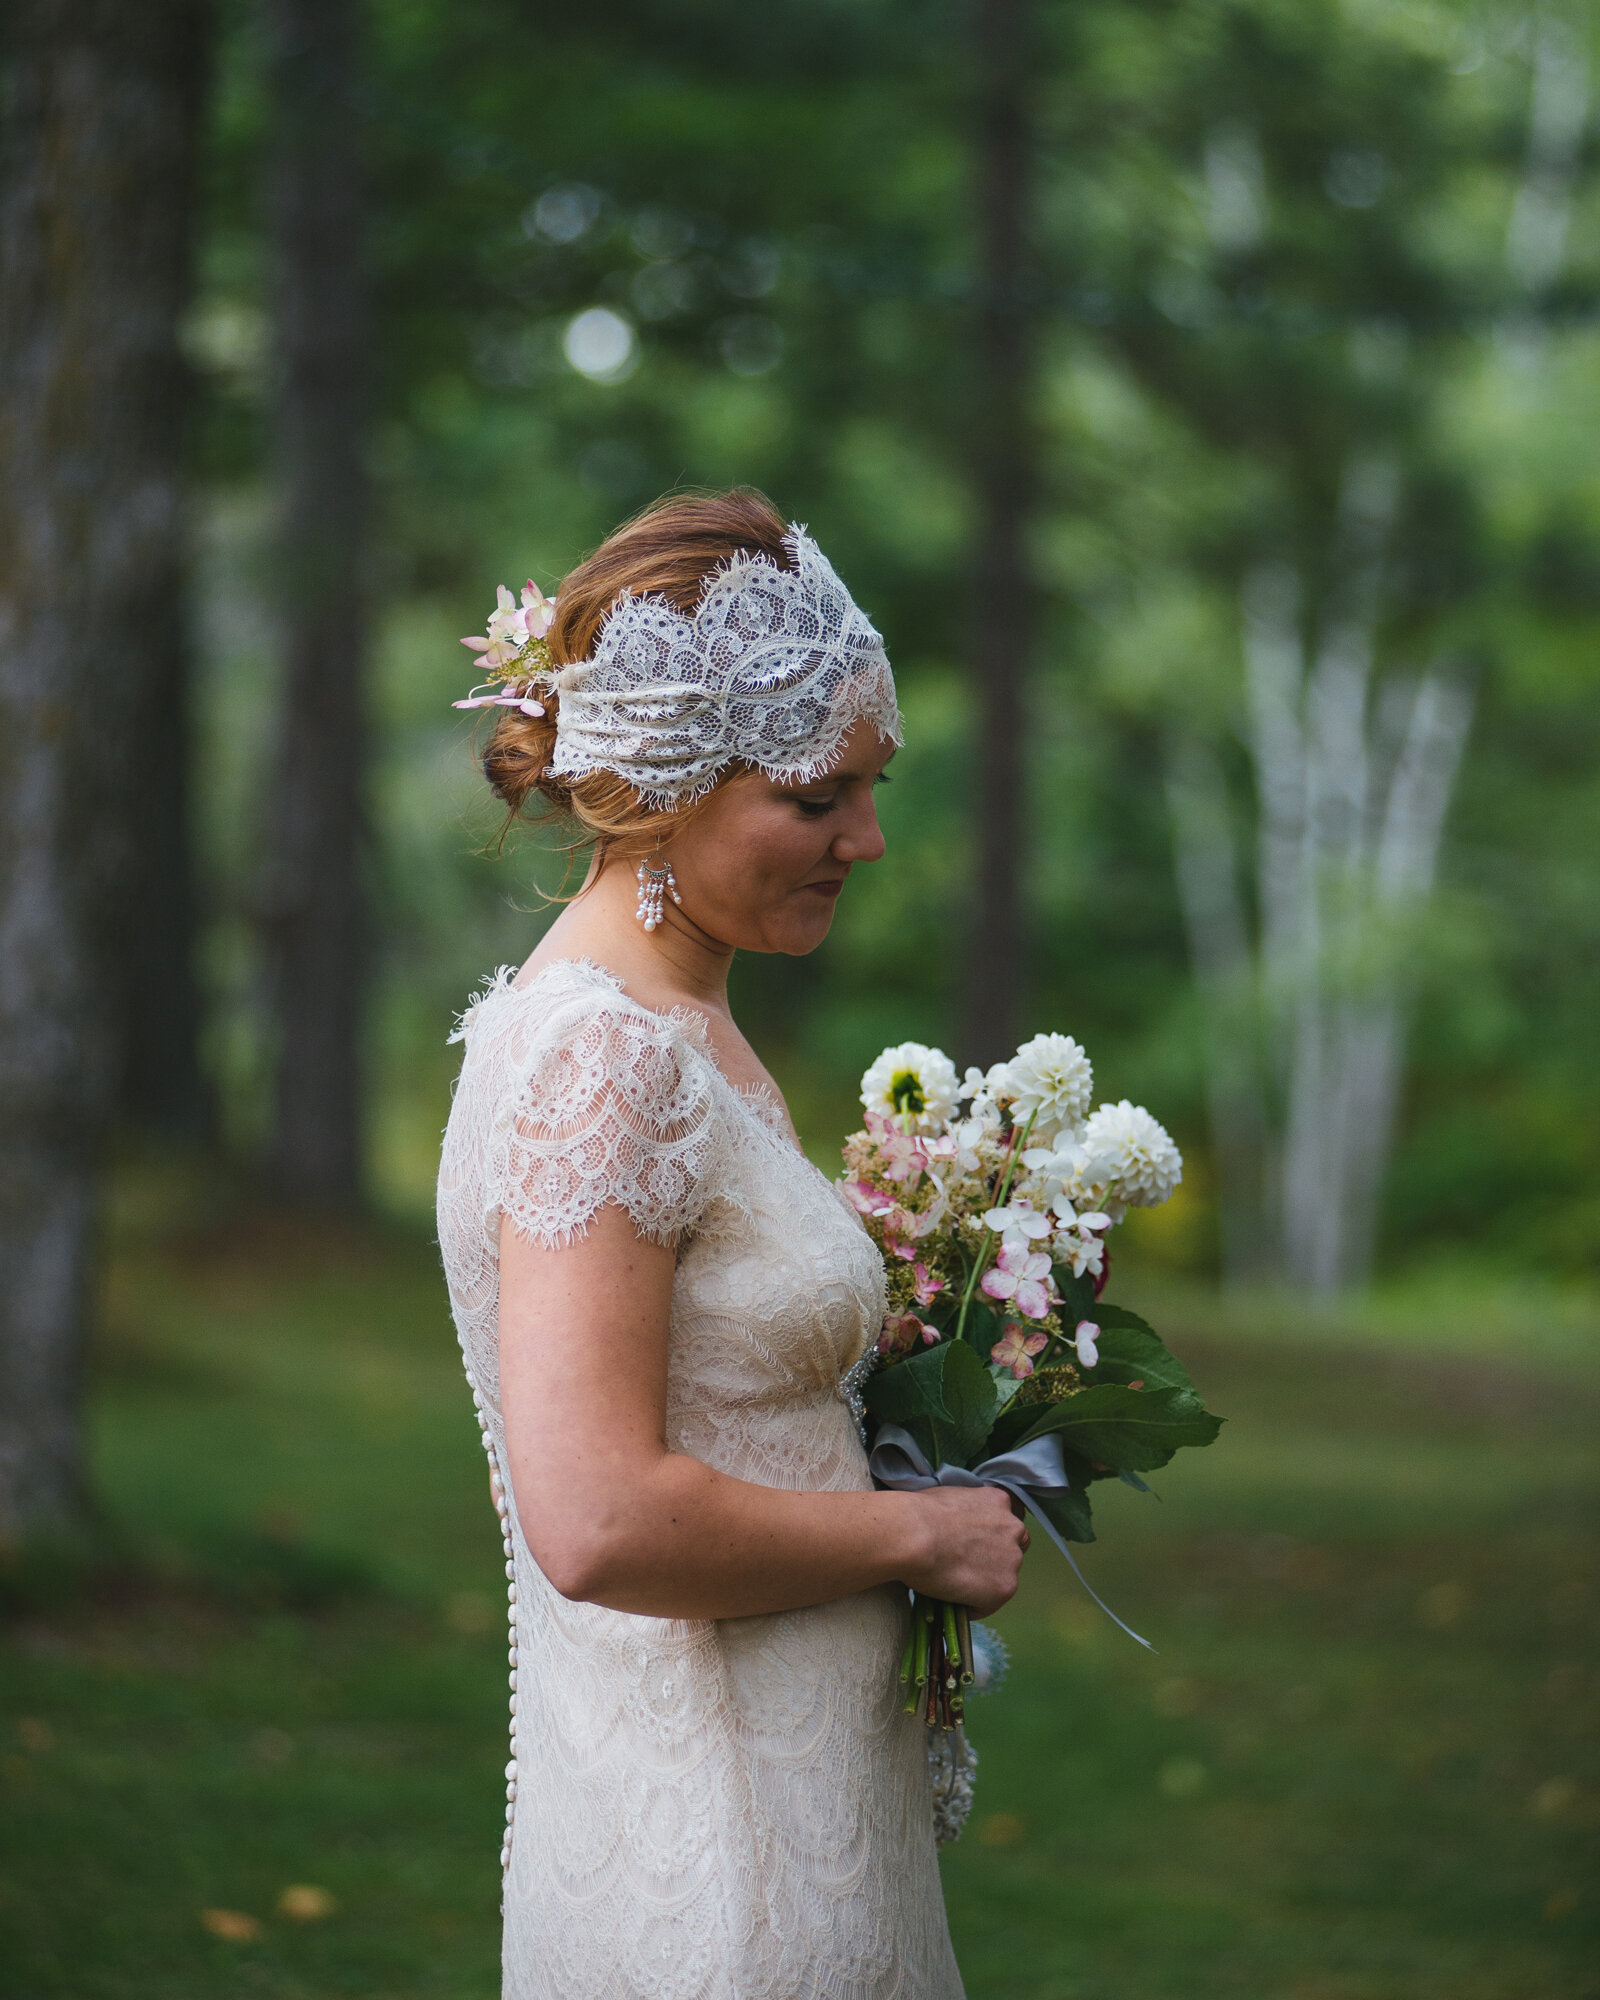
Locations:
{"points": [[669, 551]]}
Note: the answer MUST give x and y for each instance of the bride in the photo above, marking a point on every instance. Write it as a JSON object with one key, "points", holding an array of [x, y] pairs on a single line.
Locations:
{"points": [[715, 1793]]}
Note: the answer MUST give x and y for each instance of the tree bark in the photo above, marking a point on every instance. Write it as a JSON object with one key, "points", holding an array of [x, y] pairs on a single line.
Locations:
{"points": [[313, 904], [98, 131], [1226, 986], [1003, 478], [153, 914]]}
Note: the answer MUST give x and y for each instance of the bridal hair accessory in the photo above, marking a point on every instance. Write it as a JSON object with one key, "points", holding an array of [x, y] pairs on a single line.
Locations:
{"points": [[655, 885], [773, 669], [514, 651]]}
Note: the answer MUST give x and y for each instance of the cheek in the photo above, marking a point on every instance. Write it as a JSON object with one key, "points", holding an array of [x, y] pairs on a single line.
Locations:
{"points": [[773, 852]]}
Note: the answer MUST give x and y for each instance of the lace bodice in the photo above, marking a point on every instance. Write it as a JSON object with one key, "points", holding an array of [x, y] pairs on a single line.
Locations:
{"points": [[701, 1810]]}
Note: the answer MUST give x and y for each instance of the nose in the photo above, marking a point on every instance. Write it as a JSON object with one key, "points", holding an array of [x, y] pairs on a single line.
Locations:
{"points": [[861, 837]]}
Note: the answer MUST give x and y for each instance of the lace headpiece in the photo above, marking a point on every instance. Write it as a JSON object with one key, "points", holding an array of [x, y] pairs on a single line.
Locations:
{"points": [[773, 669]]}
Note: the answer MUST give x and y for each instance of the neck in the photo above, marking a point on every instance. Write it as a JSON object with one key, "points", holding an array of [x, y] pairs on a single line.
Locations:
{"points": [[676, 960]]}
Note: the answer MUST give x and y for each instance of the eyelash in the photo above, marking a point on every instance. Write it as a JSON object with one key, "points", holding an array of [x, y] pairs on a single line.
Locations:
{"points": [[816, 808]]}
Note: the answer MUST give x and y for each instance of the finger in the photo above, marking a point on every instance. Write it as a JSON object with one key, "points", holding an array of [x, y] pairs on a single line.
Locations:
{"points": [[1027, 1541]]}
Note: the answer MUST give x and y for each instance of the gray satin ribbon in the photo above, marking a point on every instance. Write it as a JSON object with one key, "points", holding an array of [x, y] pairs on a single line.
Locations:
{"points": [[1030, 1471]]}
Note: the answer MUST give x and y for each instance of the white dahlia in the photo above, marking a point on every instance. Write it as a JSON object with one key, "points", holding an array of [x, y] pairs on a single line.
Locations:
{"points": [[912, 1079], [1123, 1146], [1049, 1080]]}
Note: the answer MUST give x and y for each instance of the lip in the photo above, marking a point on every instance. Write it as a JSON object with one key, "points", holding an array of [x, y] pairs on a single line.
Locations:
{"points": [[828, 889]]}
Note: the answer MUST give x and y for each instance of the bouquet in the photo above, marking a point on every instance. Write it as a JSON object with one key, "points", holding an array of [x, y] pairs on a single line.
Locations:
{"points": [[1001, 1361]]}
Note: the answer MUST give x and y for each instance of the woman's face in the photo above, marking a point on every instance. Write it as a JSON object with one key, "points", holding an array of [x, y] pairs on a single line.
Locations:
{"points": [[762, 865]]}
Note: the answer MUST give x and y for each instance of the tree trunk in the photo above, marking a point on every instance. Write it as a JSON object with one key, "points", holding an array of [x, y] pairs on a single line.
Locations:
{"points": [[153, 910], [1003, 590], [1225, 980], [313, 905], [98, 130]]}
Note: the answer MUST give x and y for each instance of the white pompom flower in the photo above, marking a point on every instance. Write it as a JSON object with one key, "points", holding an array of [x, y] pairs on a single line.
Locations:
{"points": [[1048, 1080], [913, 1080], [1124, 1147]]}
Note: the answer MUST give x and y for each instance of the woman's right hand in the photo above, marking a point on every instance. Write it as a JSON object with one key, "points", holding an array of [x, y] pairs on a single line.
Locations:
{"points": [[975, 1546]]}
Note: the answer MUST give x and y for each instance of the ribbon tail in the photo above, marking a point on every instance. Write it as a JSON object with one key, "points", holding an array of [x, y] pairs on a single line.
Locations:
{"points": [[1065, 1547]]}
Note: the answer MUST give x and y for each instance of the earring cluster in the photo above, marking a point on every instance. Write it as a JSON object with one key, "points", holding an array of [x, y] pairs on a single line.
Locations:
{"points": [[655, 885]]}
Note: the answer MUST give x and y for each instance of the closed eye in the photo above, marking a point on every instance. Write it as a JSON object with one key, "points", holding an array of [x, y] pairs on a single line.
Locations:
{"points": [[815, 808]]}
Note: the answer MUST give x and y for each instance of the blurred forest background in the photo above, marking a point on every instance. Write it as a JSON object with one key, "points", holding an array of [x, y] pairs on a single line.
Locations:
{"points": [[1201, 397]]}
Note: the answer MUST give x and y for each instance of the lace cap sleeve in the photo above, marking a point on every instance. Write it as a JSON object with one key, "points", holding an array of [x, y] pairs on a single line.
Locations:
{"points": [[615, 1105]]}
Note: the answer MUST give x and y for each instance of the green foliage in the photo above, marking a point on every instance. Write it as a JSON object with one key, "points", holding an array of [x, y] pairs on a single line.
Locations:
{"points": [[944, 1397], [1270, 243], [1137, 1429], [1130, 1351]]}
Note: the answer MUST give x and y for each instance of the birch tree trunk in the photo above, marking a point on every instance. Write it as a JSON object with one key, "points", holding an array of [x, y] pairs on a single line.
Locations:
{"points": [[1351, 796], [1003, 594], [312, 901], [1351, 799], [98, 131], [1225, 980]]}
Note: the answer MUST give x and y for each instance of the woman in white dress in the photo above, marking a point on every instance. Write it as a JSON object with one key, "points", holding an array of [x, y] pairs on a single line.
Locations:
{"points": [[714, 1793]]}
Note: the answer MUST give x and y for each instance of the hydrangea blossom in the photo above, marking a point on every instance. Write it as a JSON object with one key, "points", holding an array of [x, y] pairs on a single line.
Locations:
{"points": [[1022, 1276], [913, 1081], [512, 628], [1014, 1350], [902, 1332]]}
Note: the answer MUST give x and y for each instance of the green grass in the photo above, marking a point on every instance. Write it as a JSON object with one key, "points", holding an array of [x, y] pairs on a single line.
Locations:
{"points": [[1362, 1767]]}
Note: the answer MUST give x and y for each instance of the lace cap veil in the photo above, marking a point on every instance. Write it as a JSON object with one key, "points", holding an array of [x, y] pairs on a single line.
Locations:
{"points": [[773, 669]]}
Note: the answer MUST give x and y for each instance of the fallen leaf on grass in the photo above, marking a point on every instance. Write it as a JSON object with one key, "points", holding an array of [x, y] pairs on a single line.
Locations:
{"points": [[233, 1925], [304, 1902]]}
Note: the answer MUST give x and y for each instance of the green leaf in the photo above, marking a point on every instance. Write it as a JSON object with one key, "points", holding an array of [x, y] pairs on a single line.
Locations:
{"points": [[1013, 1424], [1131, 1352], [911, 1392], [1077, 1296], [1132, 1429], [944, 1396], [983, 1326], [1069, 1514], [970, 1398]]}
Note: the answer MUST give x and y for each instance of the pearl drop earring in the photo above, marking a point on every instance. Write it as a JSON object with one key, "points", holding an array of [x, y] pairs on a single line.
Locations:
{"points": [[655, 885]]}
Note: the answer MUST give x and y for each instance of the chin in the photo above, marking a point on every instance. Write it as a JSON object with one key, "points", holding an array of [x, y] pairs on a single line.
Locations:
{"points": [[794, 940]]}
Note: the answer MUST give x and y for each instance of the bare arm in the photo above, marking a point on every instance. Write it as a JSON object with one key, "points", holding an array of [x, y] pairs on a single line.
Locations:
{"points": [[614, 1517]]}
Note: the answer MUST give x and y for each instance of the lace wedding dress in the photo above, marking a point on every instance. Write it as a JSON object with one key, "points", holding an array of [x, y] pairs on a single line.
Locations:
{"points": [[732, 1809]]}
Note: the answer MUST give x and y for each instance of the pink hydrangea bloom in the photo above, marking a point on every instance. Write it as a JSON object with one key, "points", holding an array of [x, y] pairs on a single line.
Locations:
{"points": [[1015, 1349], [925, 1289], [1023, 1276], [901, 1332]]}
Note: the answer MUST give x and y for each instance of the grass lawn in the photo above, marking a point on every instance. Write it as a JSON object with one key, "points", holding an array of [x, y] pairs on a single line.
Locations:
{"points": [[1363, 1766]]}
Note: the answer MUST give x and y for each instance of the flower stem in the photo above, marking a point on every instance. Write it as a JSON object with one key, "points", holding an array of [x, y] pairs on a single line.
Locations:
{"points": [[964, 1625], [980, 1263]]}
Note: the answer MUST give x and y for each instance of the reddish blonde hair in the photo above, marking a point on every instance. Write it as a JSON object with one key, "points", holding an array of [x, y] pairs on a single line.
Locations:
{"points": [[669, 551]]}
